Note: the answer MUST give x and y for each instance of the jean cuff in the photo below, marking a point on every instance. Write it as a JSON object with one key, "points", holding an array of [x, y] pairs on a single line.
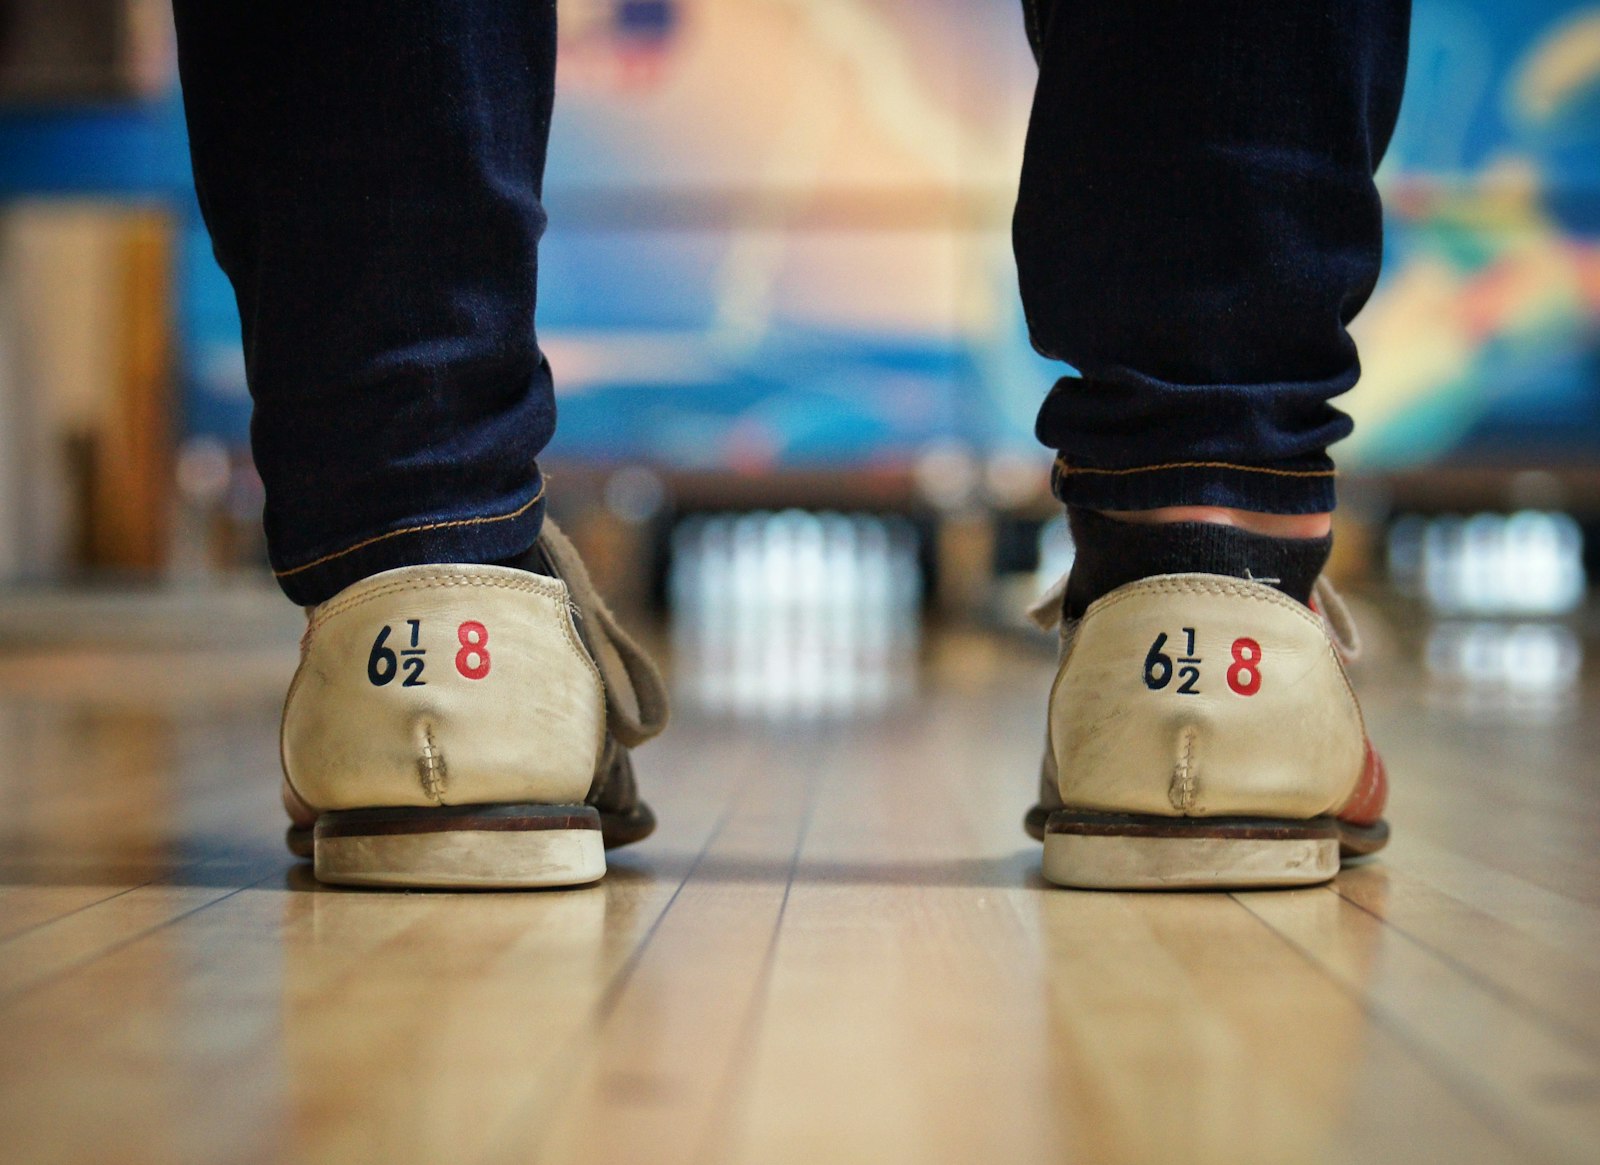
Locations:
{"points": [[477, 539], [1304, 487]]}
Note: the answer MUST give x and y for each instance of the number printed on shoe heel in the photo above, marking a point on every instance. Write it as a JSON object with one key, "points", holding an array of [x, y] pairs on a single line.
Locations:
{"points": [[1160, 669], [472, 660], [384, 663]]}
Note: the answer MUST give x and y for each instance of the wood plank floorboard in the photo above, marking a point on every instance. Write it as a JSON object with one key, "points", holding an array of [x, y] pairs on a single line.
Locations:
{"points": [[837, 948]]}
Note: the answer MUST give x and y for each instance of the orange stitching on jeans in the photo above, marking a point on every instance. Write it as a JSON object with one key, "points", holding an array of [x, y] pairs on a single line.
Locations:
{"points": [[518, 512], [1038, 26], [1065, 468]]}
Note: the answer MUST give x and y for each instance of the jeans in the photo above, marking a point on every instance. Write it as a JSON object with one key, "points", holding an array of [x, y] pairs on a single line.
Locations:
{"points": [[1196, 225]]}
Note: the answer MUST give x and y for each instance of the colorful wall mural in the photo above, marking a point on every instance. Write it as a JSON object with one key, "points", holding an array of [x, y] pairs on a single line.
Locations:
{"points": [[779, 235]]}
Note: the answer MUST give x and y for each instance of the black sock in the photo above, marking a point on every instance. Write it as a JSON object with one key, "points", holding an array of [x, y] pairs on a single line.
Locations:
{"points": [[1111, 554]]}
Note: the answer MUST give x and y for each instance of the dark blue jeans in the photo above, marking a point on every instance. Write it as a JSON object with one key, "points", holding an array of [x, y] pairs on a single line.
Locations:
{"points": [[1195, 226]]}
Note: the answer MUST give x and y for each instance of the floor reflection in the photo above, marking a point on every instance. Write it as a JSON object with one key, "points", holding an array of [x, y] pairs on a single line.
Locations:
{"points": [[413, 1025], [1502, 589], [1177, 1035], [1524, 670]]}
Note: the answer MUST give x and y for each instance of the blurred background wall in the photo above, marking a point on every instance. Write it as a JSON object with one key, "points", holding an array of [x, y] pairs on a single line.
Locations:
{"points": [[778, 278]]}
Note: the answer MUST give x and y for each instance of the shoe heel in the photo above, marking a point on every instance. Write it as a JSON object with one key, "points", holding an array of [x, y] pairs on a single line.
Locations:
{"points": [[460, 846], [1108, 851]]}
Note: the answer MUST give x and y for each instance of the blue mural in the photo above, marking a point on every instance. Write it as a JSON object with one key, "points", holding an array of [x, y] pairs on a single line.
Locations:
{"points": [[779, 235]]}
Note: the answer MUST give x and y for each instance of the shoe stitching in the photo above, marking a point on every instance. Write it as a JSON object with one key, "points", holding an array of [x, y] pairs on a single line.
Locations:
{"points": [[1207, 585], [1217, 585], [433, 770], [575, 641], [1185, 785], [513, 580], [516, 581], [423, 528], [524, 582]]}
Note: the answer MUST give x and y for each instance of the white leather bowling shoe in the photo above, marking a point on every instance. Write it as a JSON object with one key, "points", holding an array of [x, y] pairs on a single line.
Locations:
{"points": [[1203, 734], [468, 726]]}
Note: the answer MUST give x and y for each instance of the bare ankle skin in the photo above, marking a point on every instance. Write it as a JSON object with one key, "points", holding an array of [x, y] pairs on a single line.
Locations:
{"points": [[1273, 525]]}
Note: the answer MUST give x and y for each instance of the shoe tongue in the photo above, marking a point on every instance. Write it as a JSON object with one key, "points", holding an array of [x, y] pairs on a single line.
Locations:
{"points": [[1112, 554], [534, 561], [636, 696]]}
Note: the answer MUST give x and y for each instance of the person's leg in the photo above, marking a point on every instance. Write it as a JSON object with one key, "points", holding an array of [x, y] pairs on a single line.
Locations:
{"points": [[1196, 226], [370, 174]]}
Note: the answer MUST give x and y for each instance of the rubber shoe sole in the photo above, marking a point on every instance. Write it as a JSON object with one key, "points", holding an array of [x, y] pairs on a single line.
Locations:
{"points": [[1108, 851], [470, 847]]}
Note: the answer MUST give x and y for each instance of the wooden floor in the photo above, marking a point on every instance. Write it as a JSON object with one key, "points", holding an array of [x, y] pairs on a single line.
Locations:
{"points": [[836, 949]]}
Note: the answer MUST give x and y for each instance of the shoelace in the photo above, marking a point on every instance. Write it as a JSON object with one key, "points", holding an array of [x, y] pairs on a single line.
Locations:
{"points": [[1341, 624], [1325, 601], [636, 697]]}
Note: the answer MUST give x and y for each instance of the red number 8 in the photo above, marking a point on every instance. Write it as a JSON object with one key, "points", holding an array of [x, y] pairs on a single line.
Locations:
{"points": [[472, 660], [1244, 675]]}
